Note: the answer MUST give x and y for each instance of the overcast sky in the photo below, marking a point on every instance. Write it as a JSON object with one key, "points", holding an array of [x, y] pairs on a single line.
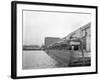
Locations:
{"points": [[38, 25]]}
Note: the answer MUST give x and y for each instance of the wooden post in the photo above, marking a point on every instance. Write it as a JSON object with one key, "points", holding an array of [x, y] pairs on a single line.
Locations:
{"points": [[81, 45]]}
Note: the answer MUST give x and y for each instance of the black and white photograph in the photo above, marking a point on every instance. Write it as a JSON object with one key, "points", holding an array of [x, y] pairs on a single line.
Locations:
{"points": [[54, 39]]}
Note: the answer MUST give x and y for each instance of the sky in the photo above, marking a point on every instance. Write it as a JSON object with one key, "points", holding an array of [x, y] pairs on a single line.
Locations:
{"points": [[38, 24]]}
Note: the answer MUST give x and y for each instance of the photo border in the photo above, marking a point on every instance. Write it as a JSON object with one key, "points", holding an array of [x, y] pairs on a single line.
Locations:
{"points": [[14, 38]]}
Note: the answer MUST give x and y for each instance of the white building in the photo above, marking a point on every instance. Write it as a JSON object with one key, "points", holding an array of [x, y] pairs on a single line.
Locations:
{"points": [[83, 34]]}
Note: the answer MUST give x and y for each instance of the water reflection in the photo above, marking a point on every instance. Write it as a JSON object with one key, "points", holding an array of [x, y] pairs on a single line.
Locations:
{"points": [[37, 59]]}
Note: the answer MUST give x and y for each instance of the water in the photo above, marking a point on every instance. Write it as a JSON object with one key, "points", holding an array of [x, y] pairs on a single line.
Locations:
{"points": [[37, 59]]}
